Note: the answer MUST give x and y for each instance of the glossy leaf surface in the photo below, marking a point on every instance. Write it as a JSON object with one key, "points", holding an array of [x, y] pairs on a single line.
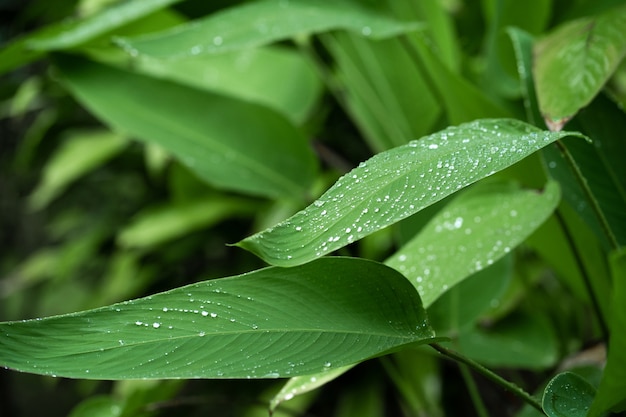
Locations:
{"points": [[396, 184], [248, 326], [479, 227], [612, 390], [574, 62], [261, 23], [227, 142], [567, 395]]}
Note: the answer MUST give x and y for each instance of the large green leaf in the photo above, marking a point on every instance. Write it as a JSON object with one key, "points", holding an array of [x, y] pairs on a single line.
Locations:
{"points": [[574, 62], [475, 230], [567, 395], [229, 143], [276, 77], [269, 323], [612, 390], [260, 23], [396, 184]]}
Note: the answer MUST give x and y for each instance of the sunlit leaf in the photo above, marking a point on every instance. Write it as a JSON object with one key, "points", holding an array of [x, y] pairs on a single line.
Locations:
{"points": [[612, 390], [479, 227], [260, 23], [574, 62], [567, 395], [79, 154], [227, 142], [249, 326], [396, 184]]}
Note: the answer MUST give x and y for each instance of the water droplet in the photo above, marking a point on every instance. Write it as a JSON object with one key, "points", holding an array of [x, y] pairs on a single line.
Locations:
{"points": [[165, 309], [205, 313], [366, 31], [217, 41], [213, 315], [156, 325], [433, 146], [138, 323]]}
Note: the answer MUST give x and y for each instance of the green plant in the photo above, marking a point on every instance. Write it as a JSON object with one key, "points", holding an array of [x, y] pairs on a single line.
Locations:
{"points": [[465, 229]]}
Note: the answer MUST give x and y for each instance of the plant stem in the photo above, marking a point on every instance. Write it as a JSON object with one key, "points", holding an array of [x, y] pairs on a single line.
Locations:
{"points": [[479, 405], [516, 390], [583, 273], [580, 178]]}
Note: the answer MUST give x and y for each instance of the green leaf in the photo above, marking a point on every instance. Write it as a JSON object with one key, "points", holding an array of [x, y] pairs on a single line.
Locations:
{"points": [[78, 32], [157, 225], [574, 62], [612, 390], [479, 227], [299, 385], [521, 340], [396, 184], [260, 23], [249, 326], [276, 77], [523, 46], [567, 395], [98, 406], [80, 153], [227, 142]]}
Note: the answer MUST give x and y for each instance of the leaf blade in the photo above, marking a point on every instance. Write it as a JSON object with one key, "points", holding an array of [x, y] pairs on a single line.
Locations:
{"points": [[396, 184], [261, 23], [227, 142], [190, 332]]}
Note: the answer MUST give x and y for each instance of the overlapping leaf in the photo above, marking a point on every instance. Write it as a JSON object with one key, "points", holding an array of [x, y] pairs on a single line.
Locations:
{"points": [[475, 230], [567, 395], [227, 142], [395, 184], [248, 326], [260, 23], [574, 62]]}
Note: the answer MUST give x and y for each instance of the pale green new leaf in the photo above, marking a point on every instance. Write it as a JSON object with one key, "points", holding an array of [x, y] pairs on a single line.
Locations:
{"points": [[479, 227], [248, 326], [79, 154], [612, 390], [574, 62], [160, 224], [396, 184], [260, 23], [567, 395], [229, 143]]}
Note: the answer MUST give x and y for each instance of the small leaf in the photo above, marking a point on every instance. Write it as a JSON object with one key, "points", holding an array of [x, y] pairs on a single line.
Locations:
{"points": [[574, 62], [249, 326], [567, 395], [396, 184], [227, 142], [80, 153], [299, 385], [612, 390], [260, 23], [479, 227], [157, 225]]}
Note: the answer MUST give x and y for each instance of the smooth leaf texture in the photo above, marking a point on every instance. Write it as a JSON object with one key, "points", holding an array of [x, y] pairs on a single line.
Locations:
{"points": [[279, 78], [228, 143], [248, 326], [299, 385], [81, 152], [574, 62], [78, 32], [567, 395], [396, 184], [260, 23], [479, 227], [612, 390], [157, 225]]}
